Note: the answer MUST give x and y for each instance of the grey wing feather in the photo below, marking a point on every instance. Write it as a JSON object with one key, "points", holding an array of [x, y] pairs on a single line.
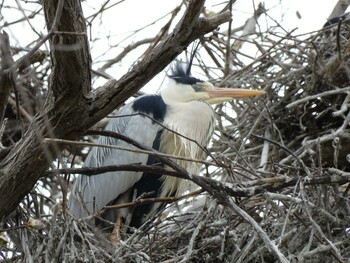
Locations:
{"points": [[91, 193]]}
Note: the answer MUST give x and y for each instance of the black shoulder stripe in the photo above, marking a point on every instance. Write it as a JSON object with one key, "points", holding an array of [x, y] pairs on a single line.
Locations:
{"points": [[152, 105]]}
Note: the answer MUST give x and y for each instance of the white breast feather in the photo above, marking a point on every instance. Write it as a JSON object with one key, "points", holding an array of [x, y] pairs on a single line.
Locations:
{"points": [[198, 126]]}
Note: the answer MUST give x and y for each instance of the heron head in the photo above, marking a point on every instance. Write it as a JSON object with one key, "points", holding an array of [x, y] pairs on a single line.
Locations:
{"points": [[183, 88]]}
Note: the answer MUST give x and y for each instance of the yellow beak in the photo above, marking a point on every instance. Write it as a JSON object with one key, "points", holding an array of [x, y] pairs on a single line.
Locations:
{"points": [[218, 95]]}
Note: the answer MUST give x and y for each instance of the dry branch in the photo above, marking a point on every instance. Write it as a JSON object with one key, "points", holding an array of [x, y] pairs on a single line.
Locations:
{"points": [[6, 80]]}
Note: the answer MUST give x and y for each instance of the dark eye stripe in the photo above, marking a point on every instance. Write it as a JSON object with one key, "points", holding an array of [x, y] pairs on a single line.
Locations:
{"points": [[185, 79], [196, 88]]}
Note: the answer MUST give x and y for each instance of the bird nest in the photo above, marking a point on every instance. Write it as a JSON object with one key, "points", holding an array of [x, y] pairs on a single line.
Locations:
{"points": [[279, 169]]}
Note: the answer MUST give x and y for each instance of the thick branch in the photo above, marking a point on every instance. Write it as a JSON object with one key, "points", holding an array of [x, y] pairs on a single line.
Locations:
{"points": [[70, 55], [91, 171], [243, 189], [6, 80]]}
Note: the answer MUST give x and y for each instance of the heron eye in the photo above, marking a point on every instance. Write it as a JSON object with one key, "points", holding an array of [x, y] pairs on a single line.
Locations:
{"points": [[197, 87]]}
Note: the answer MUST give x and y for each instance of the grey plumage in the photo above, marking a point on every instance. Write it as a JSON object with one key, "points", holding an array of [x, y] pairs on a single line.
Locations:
{"points": [[91, 193]]}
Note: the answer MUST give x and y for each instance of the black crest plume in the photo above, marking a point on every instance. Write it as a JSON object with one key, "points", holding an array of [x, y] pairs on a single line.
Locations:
{"points": [[193, 53], [180, 75]]}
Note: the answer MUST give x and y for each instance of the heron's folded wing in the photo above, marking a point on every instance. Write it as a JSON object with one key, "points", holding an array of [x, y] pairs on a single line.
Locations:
{"points": [[91, 194]]}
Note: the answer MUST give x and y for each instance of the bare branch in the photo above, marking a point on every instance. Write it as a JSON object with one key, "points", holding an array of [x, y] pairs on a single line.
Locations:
{"points": [[126, 50], [6, 80]]}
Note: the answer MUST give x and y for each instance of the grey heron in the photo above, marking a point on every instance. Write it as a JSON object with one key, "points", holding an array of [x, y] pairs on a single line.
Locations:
{"points": [[182, 106]]}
